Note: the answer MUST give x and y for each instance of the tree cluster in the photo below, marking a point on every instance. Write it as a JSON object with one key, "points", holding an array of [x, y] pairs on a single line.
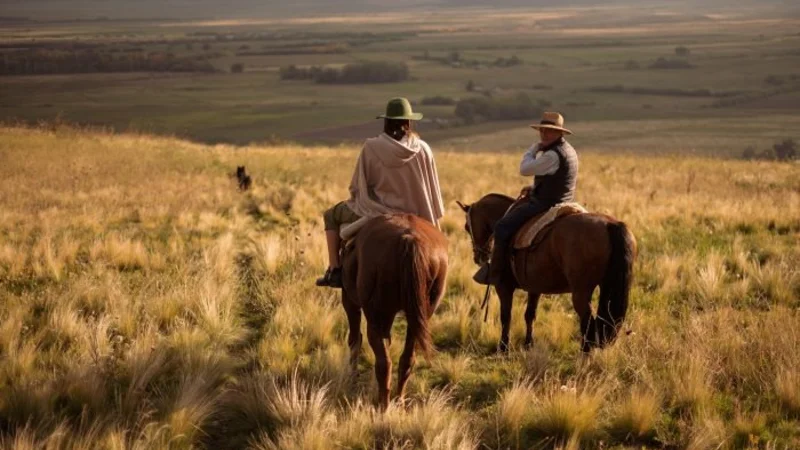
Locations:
{"points": [[438, 100], [518, 107], [668, 92], [785, 150], [454, 59], [358, 73], [780, 80], [664, 63], [39, 62], [507, 62], [682, 51]]}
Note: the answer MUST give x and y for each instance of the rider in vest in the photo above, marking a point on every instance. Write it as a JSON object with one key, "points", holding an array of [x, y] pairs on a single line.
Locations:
{"points": [[395, 173], [554, 165]]}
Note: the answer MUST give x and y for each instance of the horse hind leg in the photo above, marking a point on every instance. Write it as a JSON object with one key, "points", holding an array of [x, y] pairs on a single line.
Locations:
{"points": [[383, 364], [581, 301], [530, 317], [354, 338], [407, 361]]}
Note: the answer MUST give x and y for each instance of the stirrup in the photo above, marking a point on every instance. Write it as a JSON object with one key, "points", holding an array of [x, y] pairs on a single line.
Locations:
{"points": [[325, 280], [332, 278], [482, 275]]}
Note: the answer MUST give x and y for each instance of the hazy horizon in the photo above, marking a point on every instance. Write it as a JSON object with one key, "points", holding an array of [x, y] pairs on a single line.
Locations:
{"points": [[203, 9]]}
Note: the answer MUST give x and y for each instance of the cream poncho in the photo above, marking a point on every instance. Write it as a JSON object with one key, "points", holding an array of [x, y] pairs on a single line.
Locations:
{"points": [[396, 177]]}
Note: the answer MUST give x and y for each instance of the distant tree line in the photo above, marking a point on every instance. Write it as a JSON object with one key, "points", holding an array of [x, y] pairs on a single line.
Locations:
{"points": [[454, 59], [517, 107], [438, 100], [682, 51], [357, 73], [669, 92], [355, 39], [664, 63], [331, 49], [507, 62], [785, 150], [755, 96], [91, 61], [780, 80]]}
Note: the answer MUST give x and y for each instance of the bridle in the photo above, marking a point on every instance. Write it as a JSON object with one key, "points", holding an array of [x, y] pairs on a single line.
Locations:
{"points": [[479, 253], [483, 253]]}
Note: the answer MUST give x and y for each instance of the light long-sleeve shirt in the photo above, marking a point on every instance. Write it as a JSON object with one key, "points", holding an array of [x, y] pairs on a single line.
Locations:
{"points": [[538, 163]]}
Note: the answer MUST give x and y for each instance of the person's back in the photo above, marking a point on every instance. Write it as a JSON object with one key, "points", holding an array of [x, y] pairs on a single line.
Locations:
{"points": [[395, 176], [558, 187], [395, 173]]}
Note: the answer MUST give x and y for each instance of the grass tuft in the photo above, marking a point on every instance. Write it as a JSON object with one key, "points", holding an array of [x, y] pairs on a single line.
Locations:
{"points": [[636, 418]]}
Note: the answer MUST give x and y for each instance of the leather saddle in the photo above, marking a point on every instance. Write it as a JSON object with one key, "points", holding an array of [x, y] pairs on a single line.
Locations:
{"points": [[536, 229]]}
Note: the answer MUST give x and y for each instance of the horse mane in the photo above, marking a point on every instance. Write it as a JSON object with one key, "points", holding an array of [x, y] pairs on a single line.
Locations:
{"points": [[497, 196]]}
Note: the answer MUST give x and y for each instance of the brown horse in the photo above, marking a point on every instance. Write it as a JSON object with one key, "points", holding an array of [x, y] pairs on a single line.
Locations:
{"points": [[397, 263], [579, 253]]}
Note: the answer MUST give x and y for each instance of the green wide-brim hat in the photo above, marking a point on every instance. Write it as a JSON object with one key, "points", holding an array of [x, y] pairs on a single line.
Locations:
{"points": [[400, 109]]}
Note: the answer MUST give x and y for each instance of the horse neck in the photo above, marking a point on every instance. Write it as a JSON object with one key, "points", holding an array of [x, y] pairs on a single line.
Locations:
{"points": [[493, 207]]}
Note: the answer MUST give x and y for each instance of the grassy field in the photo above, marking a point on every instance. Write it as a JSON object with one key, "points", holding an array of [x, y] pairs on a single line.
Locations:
{"points": [[145, 303], [570, 57]]}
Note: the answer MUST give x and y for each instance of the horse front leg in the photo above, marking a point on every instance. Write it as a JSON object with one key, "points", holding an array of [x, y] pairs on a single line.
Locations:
{"points": [[383, 365], [530, 316], [506, 293]]}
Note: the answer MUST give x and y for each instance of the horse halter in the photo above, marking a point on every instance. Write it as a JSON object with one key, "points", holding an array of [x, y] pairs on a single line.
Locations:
{"points": [[479, 253]]}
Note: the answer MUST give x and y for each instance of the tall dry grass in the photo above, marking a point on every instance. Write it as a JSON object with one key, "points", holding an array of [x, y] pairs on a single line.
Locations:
{"points": [[146, 303]]}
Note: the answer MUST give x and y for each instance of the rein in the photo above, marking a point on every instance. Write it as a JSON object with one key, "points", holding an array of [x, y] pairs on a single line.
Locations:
{"points": [[486, 253], [478, 250]]}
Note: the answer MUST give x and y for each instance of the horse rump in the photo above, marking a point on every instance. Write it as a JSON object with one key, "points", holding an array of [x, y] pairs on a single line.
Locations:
{"points": [[403, 260]]}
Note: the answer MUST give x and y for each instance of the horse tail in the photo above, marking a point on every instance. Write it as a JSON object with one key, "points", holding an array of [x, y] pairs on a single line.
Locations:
{"points": [[616, 285], [414, 289]]}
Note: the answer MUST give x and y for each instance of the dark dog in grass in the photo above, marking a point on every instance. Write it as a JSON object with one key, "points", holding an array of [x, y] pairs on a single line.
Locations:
{"points": [[244, 179]]}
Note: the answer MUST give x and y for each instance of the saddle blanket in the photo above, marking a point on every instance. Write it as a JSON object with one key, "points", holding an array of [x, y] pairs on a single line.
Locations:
{"points": [[526, 236], [349, 231]]}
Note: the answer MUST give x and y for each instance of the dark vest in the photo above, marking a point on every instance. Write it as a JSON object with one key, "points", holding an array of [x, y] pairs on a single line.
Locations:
{"points": [[560, 186]]}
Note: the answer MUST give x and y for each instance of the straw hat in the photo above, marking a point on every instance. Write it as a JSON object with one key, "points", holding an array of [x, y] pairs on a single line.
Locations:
{"points": [[553, 121], [400, 108]]}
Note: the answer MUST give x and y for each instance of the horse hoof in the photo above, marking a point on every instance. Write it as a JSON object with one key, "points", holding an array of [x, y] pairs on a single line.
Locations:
{"points": [[503, 347]]}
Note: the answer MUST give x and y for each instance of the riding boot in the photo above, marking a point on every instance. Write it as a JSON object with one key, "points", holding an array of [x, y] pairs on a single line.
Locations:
{"points": [[332, 278], [492, 273], [482, 275], [500, 264]]}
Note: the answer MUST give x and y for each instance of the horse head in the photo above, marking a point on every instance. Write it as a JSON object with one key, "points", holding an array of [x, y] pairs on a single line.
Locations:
{"points": [[481, 218]]}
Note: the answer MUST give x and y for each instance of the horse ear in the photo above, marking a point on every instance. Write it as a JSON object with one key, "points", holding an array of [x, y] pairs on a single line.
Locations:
{"points": [[464, 207]]}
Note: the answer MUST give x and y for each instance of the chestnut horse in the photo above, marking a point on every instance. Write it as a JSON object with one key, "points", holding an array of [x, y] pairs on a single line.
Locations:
{"points": [[398, 262], [578, 253]]}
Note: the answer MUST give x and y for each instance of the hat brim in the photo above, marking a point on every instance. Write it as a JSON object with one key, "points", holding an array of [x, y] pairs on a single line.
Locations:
{"points": [[414, 116], [551, 127]]}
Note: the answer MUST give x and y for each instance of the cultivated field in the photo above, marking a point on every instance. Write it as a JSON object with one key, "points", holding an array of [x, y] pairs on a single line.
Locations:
{"points": [[145, 303], [719, 73]]}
